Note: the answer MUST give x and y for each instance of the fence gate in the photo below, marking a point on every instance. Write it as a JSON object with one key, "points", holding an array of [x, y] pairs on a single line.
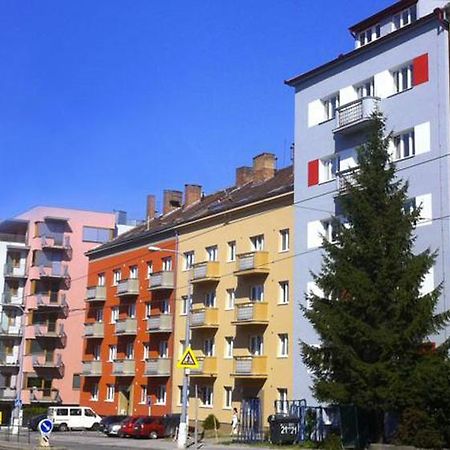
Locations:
{"points": [[250, 427]]}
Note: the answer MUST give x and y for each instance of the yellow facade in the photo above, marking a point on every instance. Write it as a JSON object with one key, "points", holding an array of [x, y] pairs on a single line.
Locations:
{"points": [[260, 365]]}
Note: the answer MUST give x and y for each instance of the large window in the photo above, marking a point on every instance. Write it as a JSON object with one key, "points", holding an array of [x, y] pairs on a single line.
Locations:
{"points": [[404, 18], [189, 259], [232, 251], [207, 396], [284, 292], [210, 299], [94, 234], [110, 390], [403, 78], [211, 253], [330, 105], [404, 144], [283, 345], [161, 395], [366, 88], [369, 35], [257, 242], [284, 240]]}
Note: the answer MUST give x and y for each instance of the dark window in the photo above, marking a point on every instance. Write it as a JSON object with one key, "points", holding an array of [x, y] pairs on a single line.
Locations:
{"points": [[76, 381], [75, 411], [89, 413], [93, 234], [62, 412]]}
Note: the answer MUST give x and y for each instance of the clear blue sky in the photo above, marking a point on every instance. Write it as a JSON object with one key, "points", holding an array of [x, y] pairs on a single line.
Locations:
{"points": [[105, 101]]}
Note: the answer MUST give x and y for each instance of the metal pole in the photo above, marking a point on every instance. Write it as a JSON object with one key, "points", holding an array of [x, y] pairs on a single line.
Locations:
{"points": [[196, 417]]}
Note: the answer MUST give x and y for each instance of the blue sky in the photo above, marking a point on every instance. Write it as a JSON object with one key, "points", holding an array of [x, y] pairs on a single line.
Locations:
{"points": [[105, 101]]}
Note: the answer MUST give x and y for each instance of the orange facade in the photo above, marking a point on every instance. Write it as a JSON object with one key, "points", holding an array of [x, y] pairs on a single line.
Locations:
{"points": [[128, 344]]}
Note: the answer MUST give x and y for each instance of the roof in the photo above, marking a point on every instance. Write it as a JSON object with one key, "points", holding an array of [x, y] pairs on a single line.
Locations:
{"points": [[389, 11], [227, 199]]}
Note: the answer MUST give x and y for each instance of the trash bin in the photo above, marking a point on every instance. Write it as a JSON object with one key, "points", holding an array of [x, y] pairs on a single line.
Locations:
{"points": [[283, 429]]}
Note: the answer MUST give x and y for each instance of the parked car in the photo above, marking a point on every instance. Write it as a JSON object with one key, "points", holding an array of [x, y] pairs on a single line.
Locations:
{"points": [[171, 423], [110, 425], [148, 427], [127, 426], [34, 421], [73, 417]]}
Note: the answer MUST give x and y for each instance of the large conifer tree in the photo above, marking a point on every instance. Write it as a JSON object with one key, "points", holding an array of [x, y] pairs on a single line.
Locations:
{"points": [[371, 318]]}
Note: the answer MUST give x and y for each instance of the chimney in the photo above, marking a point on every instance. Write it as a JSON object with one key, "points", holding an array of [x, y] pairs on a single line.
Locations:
{"points": [[151, 207], [172, 200], [264, 167], [192, 194], [244, 175]]}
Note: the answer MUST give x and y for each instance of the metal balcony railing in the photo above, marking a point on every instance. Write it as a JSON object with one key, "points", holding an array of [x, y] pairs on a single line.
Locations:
{"points": [[346, 178], [96, 294], [250, 366], [124, 367], [128, 287], [126, 327], [159, 324], [7, 360], [11, 271], [252, 263], [206, 271], [50, 330], [10, 299], [10, 331], [354, 114], [161, 280], [207, 367], [8, 394], [45, 396], [91, 369], [94, 330], [57, 270], [251, 313], [205, 318], [157, 367]]}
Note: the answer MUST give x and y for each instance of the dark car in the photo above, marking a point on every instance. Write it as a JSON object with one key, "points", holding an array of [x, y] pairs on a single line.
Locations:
{"points": [[127, 426], [34, 421], [148, 427], [110, 425]]}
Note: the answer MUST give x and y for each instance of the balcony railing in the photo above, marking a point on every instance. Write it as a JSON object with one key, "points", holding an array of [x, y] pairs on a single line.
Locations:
{"points": [[56, 242], [49, 362], [126, 327], [250, 367], [207, 367], [54, 301], [157, 367], [252, 263], [91, 369], [96, 294], [7, 394], [10, 331], [10, 299], [10, 271], [206, 271], [354, 115], [56, 271], [205, 318], [124, 368], [128, 287], [50, 330], [161, 280], [45, 396], [160, 324], [251, 313], [346, 178], [94, 330], [8, 361]]}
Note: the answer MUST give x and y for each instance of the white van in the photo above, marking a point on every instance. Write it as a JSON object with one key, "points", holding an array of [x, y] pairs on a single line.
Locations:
{"points": [[73, 417]]}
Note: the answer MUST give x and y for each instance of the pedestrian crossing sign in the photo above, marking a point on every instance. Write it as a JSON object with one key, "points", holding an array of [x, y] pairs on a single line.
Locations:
{"points": [[188, 360]]}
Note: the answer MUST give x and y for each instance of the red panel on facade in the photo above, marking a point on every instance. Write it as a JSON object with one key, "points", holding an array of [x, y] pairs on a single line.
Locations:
{"points": [[313, 172], [420, 69]]}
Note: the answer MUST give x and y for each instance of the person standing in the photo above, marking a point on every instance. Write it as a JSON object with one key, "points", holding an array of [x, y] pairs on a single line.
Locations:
{"points": [[235, 422]]}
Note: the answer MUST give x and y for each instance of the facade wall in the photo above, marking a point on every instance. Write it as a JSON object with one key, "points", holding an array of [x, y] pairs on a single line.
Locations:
{"points": [[219, 370]]}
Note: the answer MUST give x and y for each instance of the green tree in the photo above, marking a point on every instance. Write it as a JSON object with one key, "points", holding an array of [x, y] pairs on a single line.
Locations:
{"points": [[371, 317]]}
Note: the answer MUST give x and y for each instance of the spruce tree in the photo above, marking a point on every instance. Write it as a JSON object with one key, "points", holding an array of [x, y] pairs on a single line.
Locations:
{"points": [[371, 317]]}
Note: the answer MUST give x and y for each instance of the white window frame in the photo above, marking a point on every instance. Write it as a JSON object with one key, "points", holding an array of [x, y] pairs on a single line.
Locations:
{"points": [[112, 353], [227, 397], [229, 346], [148, 310], [149, 269], [284, 240], [330, 105], [283, 345], [207, 397], [189, 260], [257, 242], [403, 18], [129, 351], [146, 352], [114, 314], [369, 35], [366, 88], [94, 392], [329, 230], [99, 315], [231, 298], [403, 77], [282, 399], [403, 141], [97, 352], [210, 299], [143, 397], [209, 347], [212, 252], [284, 292], [132, 310], [167, 264], [164, 306], [101, 279], [329, 168], [117, 276], [257, 293], [163, 349], [256, 345], [110, 392], [161, 394], [231, 251]]}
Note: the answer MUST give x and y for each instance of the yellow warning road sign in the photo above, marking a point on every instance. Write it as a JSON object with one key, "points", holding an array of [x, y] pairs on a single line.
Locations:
{"points": [[188, 360]]}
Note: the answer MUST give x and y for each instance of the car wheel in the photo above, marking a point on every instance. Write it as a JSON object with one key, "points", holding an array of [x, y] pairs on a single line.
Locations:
{"points": [[95, 426], [120, 434], [153, 435], [63, 427]]}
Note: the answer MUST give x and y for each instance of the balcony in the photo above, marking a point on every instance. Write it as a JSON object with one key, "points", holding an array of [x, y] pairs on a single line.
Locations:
{"points": [[56, 242], [206, 272], [94, 330], [8, 394], [11, 331], [54, 301], [208, 367], [48, 362], [205, 318], [160, 324], [10, 299], [250, 367], [57, 271], [124, 368], [346, 178], [161, 280], [252, 263], [49, 331], [50, 396], [251, 313], [126, 327], [355, 115], [10, 271], [157, 367], [8, 362], [127, 287], [91, 369], [96, 294]]}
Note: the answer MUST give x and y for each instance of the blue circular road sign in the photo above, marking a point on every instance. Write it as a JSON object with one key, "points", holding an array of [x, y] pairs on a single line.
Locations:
{"points": [[45, 426]]}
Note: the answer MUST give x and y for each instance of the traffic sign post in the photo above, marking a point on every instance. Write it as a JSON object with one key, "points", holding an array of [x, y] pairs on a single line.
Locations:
{"points": [[45, 427], [188, 360]]}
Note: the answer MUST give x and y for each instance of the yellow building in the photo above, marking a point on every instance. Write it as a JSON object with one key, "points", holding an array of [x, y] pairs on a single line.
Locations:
{"points": [[238, 255]]}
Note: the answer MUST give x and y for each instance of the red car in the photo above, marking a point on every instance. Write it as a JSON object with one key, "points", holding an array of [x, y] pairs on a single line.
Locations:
{"points": [[148, 427], [127, 427]]}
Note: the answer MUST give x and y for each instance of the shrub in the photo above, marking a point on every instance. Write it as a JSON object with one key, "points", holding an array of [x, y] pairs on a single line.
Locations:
{"points": [[208, 423]]}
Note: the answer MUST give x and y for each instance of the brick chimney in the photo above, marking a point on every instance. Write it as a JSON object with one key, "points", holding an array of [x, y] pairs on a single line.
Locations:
{"points": [[264, 167], [244, 175], [151, 207], [172, 200], [192, 194]]}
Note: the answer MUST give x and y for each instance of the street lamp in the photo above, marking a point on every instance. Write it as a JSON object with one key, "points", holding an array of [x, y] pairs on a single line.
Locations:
{"points": [[183, 427]]}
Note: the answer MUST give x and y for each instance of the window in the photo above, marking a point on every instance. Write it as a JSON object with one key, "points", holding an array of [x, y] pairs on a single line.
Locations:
{"points": [[110, 391], [76, 381], [369, 35], [283, 345], [185, 305], [209, 347], [227, 397], [329, 168], [211, 253], [207, 396], [89, 413], [167, 264], [132, 310], [257, 242], [180, 395], [146, 346], [330, 105], [129, 352], [101, 279], [210, 299], [143, 399], [229, 344], [93, 234], [77, 411], [96, 352], [366, 88], [231, 295], [282, 404], [329, 230], [232, 251], [149, 269], [117, 276], [257, 293], [165, 306], [114, 314], [189, 259], [181, 348], [133, 272], [148, 309], [284, 240], [404, 145], [161, 394], [284, 292], [112, 355], [403, 78], [98, 315], [94, 393], [404, 18], [256, 345], [163, 349]]}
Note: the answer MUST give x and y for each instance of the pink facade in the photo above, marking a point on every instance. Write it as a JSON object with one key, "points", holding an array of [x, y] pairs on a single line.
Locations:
{"points": [[55, 291]]}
